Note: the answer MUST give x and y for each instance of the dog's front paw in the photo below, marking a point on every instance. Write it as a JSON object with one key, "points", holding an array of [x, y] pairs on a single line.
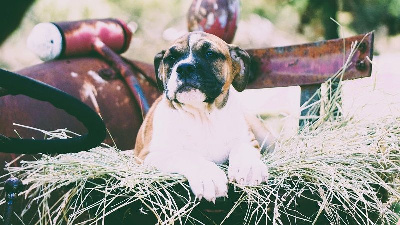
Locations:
{"points": [[209, 182], [247, 170]]}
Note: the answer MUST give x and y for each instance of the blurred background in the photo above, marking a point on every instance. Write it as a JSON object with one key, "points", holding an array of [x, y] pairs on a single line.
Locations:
{"points": [[263, 23]]}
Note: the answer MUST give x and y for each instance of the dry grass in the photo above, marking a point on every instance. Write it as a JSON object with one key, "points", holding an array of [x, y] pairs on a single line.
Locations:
{"points": [[341, 163]]}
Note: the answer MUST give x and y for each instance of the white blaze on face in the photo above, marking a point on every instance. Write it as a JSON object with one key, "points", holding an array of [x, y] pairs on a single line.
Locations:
{"points": [[45, 41], [173, 84], [192, 97]]}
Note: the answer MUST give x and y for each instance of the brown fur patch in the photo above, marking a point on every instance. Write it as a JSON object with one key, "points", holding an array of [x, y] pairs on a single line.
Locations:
{"points": [[145, 134]]}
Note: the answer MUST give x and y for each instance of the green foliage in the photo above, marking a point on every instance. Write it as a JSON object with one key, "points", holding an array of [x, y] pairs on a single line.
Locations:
{"points": [[394, 8], [300, 5], [367, 15]]}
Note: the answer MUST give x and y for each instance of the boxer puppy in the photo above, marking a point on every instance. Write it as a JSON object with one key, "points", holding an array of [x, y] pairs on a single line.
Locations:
{"points": [[198, 122]]}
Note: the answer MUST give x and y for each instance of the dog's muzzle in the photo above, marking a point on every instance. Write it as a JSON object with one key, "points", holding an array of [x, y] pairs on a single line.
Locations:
{"points": [[191, 83], [187, 77]]}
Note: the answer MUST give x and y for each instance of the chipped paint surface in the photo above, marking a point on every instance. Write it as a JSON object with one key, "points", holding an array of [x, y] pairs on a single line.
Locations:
{"points": [[218, 17], [234, 6], [210, 20], [215, 6], [96, 77], [89, 91], [223, 18], [311, 63]]}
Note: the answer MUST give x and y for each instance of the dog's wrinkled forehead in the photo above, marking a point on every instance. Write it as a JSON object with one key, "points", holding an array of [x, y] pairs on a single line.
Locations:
{"points": [[199, 41]]}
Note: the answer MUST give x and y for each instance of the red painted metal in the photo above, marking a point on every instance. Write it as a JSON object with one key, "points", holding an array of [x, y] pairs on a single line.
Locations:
{"points": [[218, 17], [106, 37], [79, 36], [310, 63]]}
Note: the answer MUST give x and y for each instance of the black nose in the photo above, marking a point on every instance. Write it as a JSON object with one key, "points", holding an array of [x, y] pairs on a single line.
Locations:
{"points": [[185, 70]]}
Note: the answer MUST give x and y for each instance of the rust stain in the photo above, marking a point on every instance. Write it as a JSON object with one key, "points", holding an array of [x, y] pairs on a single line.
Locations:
{"points": [[310, 63]]}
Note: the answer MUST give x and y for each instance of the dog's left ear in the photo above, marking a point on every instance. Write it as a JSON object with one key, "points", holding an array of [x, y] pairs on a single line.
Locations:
{"points": [[157, 61], [241, 67]]}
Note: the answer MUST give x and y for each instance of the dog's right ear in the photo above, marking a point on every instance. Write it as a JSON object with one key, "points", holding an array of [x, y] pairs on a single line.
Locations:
{"points": [[157, 60]]}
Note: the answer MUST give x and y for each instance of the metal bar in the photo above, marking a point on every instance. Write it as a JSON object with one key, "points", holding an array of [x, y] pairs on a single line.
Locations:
{"points": [[299, 65], [309, 95], [334, 90], [125, 71], [310, 63]]}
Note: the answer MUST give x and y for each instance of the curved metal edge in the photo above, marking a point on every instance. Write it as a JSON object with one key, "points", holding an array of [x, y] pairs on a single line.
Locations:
{"points": [[41, 91]]}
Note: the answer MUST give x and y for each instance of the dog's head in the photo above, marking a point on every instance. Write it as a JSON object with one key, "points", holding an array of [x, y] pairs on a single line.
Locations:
{"points": [[199, 68]]}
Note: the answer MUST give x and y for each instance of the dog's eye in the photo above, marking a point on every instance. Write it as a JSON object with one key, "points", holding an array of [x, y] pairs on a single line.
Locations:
{"points": [[170, 57], [210, 54]]}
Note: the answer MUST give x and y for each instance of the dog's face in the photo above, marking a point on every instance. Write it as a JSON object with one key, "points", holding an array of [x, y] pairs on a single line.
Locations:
{"points": [[199, 69]]}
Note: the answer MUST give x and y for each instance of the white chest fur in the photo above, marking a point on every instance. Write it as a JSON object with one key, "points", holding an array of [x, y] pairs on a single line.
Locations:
{"points": [[208, 134]]}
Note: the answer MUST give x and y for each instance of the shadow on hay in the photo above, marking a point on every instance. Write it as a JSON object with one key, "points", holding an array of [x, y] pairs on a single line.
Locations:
{"points": [[303, 210]]}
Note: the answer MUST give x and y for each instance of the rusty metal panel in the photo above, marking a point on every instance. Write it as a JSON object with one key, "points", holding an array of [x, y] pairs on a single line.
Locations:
{"points": [[311, 63], [92, 81]]}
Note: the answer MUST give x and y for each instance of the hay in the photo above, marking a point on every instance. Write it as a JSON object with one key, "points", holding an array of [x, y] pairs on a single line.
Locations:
{"points": [[346, 169], [342, 164]]}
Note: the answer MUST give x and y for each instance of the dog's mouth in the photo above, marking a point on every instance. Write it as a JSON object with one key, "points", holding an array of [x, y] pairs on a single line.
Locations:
{"points": [[186, 87], [194, 93], [188, 93]]}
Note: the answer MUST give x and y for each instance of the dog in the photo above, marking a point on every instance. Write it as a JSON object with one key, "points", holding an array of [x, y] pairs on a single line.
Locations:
{"points": [[199, 122]]}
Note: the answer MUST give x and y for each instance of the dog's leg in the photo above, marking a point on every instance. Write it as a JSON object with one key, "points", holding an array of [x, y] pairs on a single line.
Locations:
{"points": [[264, 136], [205, 178], [245, 165]]}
